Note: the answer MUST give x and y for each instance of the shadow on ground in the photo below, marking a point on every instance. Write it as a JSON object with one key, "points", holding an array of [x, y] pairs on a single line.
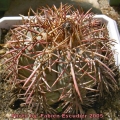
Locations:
{"points": [[21, 7], [117, 9]]}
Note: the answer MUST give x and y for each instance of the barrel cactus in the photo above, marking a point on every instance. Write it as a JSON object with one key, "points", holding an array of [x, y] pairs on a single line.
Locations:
{"points": [[60, 56]]}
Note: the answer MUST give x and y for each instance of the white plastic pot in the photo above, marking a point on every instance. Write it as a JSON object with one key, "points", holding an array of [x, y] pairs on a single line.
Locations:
{"points": [[113, 34], [7, 22]]}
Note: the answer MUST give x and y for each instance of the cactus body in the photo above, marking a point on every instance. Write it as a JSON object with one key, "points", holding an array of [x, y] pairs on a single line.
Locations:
{"points": [[60, 54]]}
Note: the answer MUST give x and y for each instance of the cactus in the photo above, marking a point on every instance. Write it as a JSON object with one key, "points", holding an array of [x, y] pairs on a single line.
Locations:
{"points": [[60, 55]]}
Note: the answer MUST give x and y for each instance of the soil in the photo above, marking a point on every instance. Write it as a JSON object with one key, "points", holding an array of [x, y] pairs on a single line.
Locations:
{"points": [[110, 109], [111, 11]]}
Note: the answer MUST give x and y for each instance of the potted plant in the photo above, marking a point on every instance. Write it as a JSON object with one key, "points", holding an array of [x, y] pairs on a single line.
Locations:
{"points": [[60, 60]]}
